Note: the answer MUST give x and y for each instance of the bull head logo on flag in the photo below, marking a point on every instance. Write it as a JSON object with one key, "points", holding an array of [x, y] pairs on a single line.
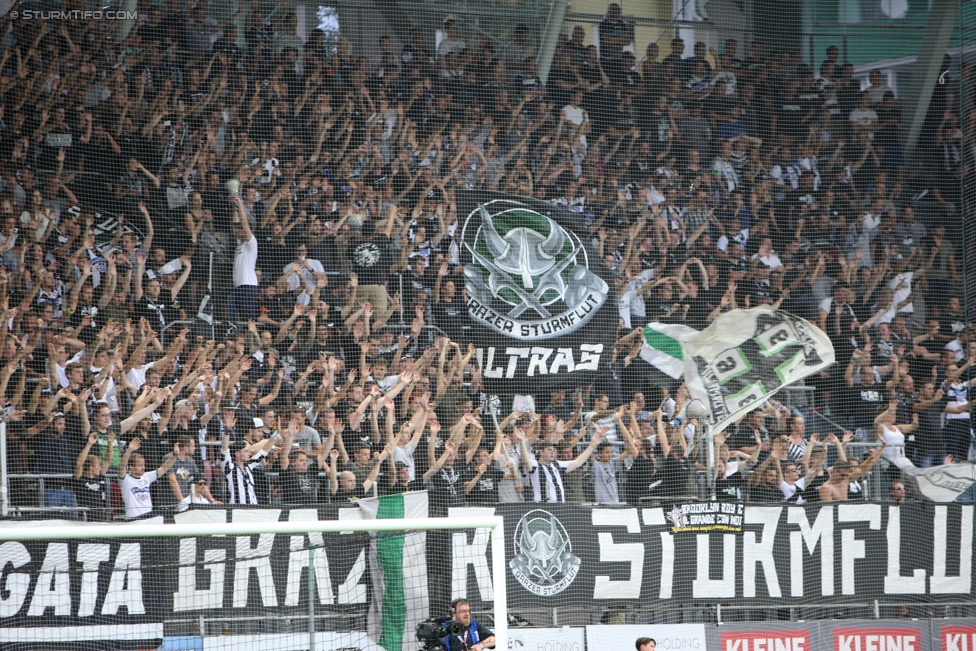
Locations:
{"points": [[532, 278]]}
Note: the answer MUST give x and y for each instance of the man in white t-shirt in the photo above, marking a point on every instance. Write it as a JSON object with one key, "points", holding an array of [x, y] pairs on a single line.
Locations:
{"points": [[244, 298], [452, 43], [136, 481], [864, 118], [575, 115], [301, 273], [792, 484]]}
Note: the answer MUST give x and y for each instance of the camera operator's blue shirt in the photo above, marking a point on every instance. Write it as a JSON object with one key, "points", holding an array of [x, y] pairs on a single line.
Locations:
{"points": [[473, 635]]}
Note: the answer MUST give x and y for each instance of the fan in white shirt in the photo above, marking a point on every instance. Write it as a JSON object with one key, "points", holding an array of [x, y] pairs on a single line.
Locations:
{"points": [[136, 481], [301, 273]]}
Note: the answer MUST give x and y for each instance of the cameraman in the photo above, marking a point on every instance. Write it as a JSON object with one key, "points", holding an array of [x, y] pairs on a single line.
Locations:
{"points": [[474, 637]]}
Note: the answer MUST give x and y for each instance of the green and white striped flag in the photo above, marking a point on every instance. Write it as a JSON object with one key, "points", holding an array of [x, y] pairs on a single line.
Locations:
{"points": [[662, 347], [398, 564]]}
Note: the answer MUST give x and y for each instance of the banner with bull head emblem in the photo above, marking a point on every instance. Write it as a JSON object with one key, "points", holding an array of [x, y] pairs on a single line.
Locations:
{"points": [[538, 295]]}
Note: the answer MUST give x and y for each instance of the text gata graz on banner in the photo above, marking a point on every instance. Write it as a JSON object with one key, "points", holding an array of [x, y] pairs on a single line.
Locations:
{"points": [[539, 298]]}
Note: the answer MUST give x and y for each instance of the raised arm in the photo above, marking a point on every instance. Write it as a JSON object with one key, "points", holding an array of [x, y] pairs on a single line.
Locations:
{"points": [[380, 457], [585, 454], [139, 415]]}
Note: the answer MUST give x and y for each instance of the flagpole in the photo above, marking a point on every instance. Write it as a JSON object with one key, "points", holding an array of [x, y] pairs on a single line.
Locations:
{"points": [[697, 409], [711, 458]]}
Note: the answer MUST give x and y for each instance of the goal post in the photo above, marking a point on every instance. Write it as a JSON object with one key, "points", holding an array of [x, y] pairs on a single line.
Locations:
{"points": [[83, 559]]}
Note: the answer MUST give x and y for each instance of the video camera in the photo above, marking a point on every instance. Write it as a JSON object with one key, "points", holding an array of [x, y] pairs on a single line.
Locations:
{"points": [[432, 632]]}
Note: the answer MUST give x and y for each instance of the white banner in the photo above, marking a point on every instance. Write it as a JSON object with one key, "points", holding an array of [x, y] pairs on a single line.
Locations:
{"points": [[669, 637], [745, 356], [546, 639]]}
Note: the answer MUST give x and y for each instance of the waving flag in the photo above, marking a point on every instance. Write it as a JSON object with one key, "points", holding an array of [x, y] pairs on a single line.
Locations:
{"points": [[745, 356], [662, 347]]}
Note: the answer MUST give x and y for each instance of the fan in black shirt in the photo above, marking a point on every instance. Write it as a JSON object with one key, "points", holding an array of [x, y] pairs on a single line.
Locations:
{"points": [[157, 304], [89, 484], [481, 479], [450, 313], [343, 484], [766, 491], [447, 488], [399, 480], [298, 484], [728, 487]]}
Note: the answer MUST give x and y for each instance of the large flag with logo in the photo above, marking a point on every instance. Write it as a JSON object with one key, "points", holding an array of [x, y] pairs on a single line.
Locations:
{"points": [[398, 567], [539, 299], [745, 356]]}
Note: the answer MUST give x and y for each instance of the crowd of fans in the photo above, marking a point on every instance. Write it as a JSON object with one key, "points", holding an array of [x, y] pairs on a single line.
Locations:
{"points": [[708, 181]]}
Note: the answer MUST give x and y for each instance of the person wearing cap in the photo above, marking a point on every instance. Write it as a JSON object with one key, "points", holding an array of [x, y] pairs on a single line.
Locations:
{"points": [[136, 481], [89, 485], [546, 474], [227, 423], [398, 479], [197, 493], [177, 478]]}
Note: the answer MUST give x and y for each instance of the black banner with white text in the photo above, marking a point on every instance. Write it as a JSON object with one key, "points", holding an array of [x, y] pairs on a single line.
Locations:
{"points": [[557, 554], [563, 554]]}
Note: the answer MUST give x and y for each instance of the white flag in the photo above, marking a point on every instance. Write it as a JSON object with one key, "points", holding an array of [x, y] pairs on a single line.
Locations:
{"points": [[942, 483], [398, 569], [662, 347], [745, 356]]}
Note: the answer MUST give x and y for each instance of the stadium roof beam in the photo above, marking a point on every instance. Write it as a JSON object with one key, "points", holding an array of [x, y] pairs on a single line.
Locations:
{"points": [[554, 26], [935, 41]]}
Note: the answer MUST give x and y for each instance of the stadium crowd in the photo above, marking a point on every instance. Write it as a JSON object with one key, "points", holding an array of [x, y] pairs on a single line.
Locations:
{"points": [[708, 181]]}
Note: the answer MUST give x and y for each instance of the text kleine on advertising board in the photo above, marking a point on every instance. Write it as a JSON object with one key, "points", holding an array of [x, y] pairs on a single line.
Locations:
{"points": [[786, 640], [958, 638], [876, 639]]}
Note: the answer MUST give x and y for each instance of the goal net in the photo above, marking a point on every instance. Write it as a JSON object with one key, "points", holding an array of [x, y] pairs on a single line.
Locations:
{"points": [[251, 580]]}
